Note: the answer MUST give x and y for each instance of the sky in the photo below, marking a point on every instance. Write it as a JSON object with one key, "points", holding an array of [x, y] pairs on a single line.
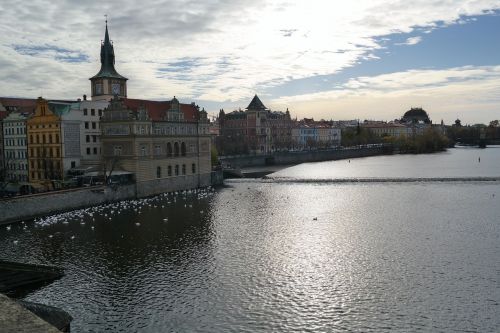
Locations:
{"points": [[326, 59]]}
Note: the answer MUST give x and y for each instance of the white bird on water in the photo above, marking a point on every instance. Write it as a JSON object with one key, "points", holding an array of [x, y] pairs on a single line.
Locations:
{"points": [[138, 224]]}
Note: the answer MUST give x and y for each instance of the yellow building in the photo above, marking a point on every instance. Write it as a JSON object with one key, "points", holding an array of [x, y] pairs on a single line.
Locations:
{"points": [[44, 145]]}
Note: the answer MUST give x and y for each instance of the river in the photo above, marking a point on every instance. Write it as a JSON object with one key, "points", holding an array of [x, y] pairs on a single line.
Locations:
{"points": [[296, 252]]}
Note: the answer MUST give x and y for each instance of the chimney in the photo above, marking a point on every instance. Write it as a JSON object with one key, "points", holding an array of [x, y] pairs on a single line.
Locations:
{"points": [[84, 97]]}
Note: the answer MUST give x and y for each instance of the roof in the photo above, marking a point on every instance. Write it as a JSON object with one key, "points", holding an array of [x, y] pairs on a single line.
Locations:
{"points": [[23, 105], [157, 109], [416, 114], [107, 60], [382, 125], [256, 104]]}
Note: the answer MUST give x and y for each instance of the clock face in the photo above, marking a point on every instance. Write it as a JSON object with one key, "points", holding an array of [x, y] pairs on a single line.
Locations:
{"points": [[115, 88], [98, 88]]}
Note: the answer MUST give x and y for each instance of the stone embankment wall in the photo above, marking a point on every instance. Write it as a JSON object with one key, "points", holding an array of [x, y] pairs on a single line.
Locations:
{"points": [[283, 158], [157, 186], [29, 206]]}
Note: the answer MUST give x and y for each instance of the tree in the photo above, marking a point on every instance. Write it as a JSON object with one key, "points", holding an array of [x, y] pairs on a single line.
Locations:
{"points": [[109, 164]]}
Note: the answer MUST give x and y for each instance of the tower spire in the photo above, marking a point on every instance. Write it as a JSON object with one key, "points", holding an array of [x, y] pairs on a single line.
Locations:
{"points": [[107, 57], [108, 82]]}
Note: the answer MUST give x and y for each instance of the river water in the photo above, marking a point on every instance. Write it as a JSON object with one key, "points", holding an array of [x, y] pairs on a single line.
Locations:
{"points": [[304, 254]]}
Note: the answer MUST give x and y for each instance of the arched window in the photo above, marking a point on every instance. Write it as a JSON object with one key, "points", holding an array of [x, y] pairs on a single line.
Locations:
{"points": [[176, 149], [183, 149], [158, 172], [169, 149]]}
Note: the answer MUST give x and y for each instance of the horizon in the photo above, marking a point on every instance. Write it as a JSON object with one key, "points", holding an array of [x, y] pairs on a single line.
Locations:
{"points": [[441, 57]]}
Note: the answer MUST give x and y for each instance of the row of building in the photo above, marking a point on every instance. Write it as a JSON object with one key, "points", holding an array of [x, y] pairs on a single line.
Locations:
{"points": [[258, 130], [165, 145]]}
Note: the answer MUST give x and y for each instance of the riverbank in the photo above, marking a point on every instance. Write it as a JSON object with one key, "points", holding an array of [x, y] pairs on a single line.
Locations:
{"points": [[304, 156], [26, 207]]}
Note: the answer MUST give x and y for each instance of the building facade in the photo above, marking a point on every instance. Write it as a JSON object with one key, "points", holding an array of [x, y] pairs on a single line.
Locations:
{"points": [[165, 144], [15, 147], [44, 145], [383, 129], [308, 133], [257, 130]]}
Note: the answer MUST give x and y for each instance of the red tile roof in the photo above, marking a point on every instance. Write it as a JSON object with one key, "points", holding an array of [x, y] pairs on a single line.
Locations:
{"points": [[157, 109], [3, 114], [23, 105]]}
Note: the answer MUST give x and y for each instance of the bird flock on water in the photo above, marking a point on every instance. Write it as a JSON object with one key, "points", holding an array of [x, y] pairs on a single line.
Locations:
{"points": [[110, 210]]}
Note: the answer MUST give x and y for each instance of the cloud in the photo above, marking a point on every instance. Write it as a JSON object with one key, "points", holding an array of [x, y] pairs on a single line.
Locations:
{"points": [[411, 41], [467, 92], [50, 51], [218, 50]]}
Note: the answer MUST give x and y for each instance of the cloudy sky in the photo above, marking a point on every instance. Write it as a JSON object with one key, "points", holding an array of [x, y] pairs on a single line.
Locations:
{"points": [[331, 59]]}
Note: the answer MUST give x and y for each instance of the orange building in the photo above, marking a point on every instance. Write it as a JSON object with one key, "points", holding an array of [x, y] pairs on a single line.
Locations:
{"points": [[44, 145]]}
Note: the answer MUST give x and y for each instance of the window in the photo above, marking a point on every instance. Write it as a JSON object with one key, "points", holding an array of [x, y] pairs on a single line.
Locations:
{"points": [[157, 150], [184, 169], [86, 124], [117, 150], [158, 172], [95, 151], [183, 149], [57, 138], [85, 112], [88, 150], [193, 168], [87, 138], [169, 149], [92, 112], [169, 170], [176, 169], [176, 149], [99, 112], [73, 164], [143, 150], [94, 138], [93, 125]]}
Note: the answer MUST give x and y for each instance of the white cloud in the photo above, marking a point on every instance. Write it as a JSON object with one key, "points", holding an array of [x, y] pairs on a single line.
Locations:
{"points": [[412, 41], [469, 93], [262, 43]]}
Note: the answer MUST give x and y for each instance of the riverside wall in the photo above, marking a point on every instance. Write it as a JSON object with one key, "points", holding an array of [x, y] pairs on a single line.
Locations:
{"points": [[31, 206], [297, 157]]}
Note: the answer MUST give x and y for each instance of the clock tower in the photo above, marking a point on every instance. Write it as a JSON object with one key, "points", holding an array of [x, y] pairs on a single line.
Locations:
{"points": [[108, 83]]}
